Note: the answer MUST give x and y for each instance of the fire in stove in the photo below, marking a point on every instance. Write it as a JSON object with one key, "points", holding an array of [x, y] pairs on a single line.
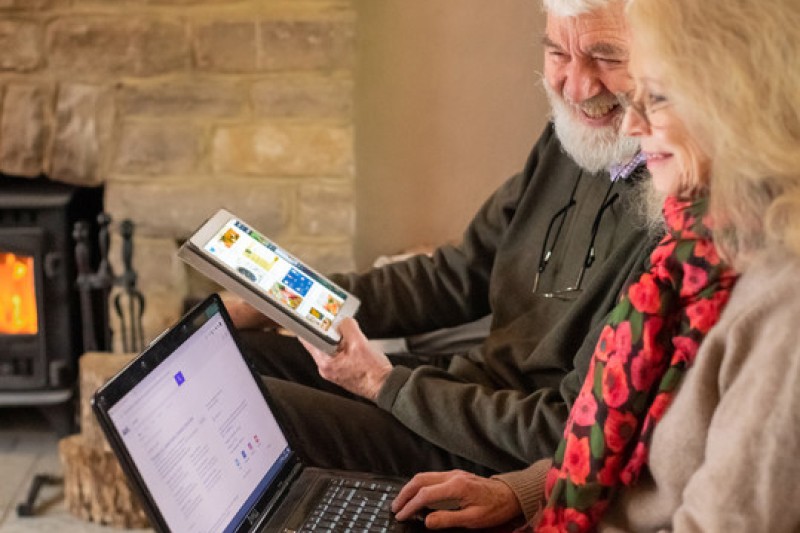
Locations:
{"points": [[18, 314]]}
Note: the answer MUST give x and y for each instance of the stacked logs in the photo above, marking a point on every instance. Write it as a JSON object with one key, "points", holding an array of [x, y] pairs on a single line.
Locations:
{"points": [[95, 488]]}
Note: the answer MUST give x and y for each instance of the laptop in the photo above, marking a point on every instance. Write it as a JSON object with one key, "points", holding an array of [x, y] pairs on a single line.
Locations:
{"points": [[192, 427]]}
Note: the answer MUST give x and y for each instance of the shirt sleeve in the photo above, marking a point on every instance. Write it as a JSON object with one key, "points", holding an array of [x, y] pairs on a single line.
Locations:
{"points": [[528, 486], [503, 429]]}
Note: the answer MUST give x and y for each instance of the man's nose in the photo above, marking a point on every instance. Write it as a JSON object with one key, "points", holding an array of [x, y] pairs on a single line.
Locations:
{"points": [[581, 82]]}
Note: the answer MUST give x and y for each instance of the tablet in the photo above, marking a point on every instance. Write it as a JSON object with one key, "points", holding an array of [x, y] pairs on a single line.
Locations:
{"points": [[295, 296]]}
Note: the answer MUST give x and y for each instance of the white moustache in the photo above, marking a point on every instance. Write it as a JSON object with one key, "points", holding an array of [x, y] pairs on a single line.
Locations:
{"points": [[597, 106]]}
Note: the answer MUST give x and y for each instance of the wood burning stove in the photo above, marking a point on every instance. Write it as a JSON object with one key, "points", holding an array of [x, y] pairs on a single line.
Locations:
{"points": [[40, 339]]}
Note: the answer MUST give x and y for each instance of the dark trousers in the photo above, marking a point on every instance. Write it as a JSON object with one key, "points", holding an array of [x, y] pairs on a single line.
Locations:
{"points": [[331, 428]]}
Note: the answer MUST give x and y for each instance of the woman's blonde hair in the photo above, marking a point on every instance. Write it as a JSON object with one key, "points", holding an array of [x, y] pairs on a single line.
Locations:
{"points": [[732, 69]]}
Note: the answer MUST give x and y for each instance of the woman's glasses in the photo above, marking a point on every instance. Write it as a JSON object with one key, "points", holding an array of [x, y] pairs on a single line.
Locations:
{"points": [[646, 105]]}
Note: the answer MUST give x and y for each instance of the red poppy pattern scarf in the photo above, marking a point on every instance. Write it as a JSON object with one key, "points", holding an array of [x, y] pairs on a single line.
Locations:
{"points": [[651, 339]]}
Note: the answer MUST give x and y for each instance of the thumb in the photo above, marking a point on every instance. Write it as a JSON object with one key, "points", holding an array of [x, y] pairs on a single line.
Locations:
{"points": [[349, 329]]}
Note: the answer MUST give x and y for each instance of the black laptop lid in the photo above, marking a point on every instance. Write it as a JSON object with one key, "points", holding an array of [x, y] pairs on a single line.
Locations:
{"points": [[191, 425]]}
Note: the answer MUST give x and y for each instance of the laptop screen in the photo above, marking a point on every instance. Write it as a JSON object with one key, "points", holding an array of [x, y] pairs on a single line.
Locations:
{"points": [[200, 432]]}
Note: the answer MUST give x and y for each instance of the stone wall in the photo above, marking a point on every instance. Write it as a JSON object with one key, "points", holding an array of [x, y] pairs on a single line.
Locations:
{"points": [[180, 107]]}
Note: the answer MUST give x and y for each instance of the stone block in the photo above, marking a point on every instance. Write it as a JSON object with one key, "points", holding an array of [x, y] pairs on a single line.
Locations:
{"points": [[284, 149], [326, 210], [226, 46], [196, 97], [310, 44], [20, 42], [30, 5], [159, 147], [24, 129], [95, 3], [317, 97], [102, 45], [183, 2], [175, 208], [84, 121]]}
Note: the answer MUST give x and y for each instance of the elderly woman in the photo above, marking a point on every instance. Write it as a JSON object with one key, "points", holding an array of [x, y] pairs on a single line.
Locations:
{"points": [[722, 456]]}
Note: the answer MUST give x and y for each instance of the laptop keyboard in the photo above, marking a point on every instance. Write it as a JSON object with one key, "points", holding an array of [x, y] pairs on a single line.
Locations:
{"points": [[350, 505]]}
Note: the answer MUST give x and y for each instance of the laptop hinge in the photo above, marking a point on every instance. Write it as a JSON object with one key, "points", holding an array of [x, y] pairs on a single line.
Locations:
{"points": [[281, 491]]}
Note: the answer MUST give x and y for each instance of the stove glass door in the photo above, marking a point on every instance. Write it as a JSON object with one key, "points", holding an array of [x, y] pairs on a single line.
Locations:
{"points": [[18, 309]]}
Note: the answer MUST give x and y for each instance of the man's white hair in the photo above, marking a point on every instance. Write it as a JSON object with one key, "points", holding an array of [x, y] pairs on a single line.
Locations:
{"points": [[573, 8]]}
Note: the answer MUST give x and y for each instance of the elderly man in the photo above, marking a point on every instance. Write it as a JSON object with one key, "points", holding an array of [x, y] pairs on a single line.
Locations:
{"points": [[546, 256]]}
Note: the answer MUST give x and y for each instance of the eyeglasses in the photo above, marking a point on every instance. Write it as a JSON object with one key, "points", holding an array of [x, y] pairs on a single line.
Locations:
{"points": [[572, 292], [645, 106]]}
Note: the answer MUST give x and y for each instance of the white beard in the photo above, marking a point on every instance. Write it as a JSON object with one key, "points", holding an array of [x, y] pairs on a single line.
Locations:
{"points": [[593, 148]]}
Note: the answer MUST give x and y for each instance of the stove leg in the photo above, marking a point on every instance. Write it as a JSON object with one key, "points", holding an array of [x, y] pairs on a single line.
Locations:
{"points": [[28, 507]]}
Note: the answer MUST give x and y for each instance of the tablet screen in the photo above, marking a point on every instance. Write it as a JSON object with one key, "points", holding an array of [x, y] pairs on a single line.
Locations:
{"points": [[291, 284]]}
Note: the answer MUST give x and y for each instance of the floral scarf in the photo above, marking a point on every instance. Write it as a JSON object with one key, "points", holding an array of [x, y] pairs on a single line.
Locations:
{"points": [[649, 342]]}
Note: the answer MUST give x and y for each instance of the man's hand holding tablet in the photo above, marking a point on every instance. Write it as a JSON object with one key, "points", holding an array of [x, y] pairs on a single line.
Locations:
{"points": [[355, 365]]}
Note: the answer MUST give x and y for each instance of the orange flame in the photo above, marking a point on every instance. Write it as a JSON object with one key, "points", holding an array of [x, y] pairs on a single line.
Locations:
{"points": [[17, 295]]}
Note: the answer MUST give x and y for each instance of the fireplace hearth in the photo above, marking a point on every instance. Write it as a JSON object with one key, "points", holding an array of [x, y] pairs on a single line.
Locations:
{"points": [[40, 328]]}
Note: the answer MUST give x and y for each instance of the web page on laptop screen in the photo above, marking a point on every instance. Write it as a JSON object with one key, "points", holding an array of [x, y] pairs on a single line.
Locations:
{"points": [[200, 433]]}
